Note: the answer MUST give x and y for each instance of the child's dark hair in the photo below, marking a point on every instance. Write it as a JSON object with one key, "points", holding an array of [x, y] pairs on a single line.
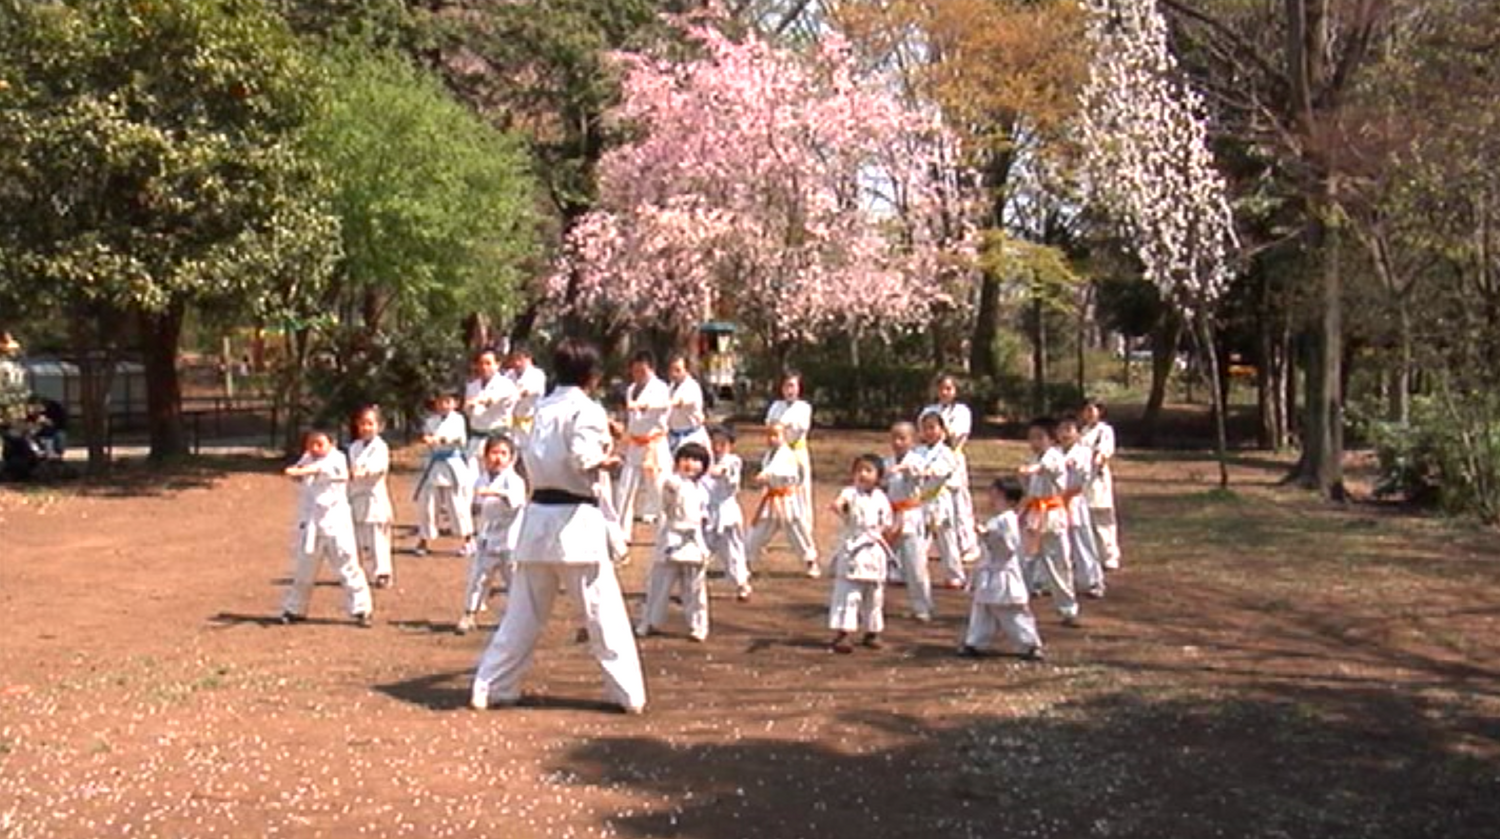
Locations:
{"points": [[1097, 405], [359, 414], [932, 416], [644, 357], [694, 451], [789, 374], [314, 433], [1070, 421], [500, 440], [1008, 488], [576, 362], [725, 431], [1046, 425], [870, 459]]}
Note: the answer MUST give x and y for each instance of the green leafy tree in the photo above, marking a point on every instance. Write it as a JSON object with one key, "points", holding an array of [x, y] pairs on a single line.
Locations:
{"points": [[147, 165]]}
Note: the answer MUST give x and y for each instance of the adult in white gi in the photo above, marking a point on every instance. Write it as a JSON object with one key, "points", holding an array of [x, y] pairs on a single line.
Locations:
{"points": [[325, 531], [489, 401], [1088, 573], [959, 421], [369, 495], [794, 415], [908, 534], [681, 555], [1099, 436], [858, 566], [780, 506], [446, 480], [725, 530], [1044, 521], [565, 542], [687, 418], [531, 383], [1001, 600], [648, 459]]}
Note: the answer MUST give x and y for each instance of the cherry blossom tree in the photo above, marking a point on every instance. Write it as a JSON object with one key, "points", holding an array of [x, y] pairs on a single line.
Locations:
{"points": [[1148, 165], [769, 186]]}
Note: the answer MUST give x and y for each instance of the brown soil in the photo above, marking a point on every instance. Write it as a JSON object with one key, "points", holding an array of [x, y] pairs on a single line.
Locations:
{"points": [[1266, 666]]}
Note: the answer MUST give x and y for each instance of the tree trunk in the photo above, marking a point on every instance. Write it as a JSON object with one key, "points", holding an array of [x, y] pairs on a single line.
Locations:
{"points": [[1163, 352], [1039, 357], [96, 359], [1322, 465], [1400, 380], [986, 329], [1220, 404], [160, 334], [1083, 340]]}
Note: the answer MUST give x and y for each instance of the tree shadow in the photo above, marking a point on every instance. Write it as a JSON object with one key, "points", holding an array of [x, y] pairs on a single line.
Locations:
{"points": [[145, 479], [1315, 762], [449, 691], [229, 620]]}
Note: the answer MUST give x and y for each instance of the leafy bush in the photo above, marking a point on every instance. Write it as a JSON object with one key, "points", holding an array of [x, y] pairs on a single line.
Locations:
{"points": [[1448, 455]]}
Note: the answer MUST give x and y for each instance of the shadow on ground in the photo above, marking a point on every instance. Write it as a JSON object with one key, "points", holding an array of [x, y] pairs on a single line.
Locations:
{"points": [[1310, 763]]}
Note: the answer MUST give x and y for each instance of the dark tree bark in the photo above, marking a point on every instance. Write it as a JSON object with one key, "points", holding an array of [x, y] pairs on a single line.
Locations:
{"points": [[160, 334]]}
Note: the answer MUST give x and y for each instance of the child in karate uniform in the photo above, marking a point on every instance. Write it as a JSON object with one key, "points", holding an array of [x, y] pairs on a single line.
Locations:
{"points": [[325, 530], [501, 494], [445, 481], [794, 415], [859, 562], [687, 415], [1044, 520], [1001, 601], [369, 497], [1099, 436], [780, 506], [681, 556], [489, 401], [725, 531], [935, 467], [647, 455], [959, 421], [1088, 574], [908, 534]]}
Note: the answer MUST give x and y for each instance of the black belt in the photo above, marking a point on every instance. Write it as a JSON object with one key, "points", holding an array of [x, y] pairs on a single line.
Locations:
{"points": [[561, 498]]}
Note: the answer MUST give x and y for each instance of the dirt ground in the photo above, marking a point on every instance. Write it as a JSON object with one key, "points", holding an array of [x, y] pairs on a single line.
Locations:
{"points": [[1265, 666]]}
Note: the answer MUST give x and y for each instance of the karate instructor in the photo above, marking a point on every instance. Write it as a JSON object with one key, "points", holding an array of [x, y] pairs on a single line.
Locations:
{"points": [[565, 542]]}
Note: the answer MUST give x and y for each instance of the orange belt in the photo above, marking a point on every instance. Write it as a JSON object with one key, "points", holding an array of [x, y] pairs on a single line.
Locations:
{"points": [[1051, 502], [906, 504], [771, 494], [648, 463]]}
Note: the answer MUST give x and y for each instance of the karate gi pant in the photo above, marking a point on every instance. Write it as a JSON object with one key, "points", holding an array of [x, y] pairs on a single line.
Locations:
{"points": [[857, 605], [1106, 529], [339, 550], [373, 540], [805, 491], [596, 591], [796, 535], [1088, 573], [692, 578], [1054, 567], [1013, 619], [946, 537], [728, 547], [484, 566], [963, 520], [634, 479], [911, 556], [454, 501]]}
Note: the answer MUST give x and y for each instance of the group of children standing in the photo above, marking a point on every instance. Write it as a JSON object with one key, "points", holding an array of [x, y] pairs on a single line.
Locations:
{"points": [[1051, 530]]}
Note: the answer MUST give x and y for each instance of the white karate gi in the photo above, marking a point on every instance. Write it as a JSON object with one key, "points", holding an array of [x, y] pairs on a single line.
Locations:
{"points": [[648, 459], [936, 465], [489, 406], [1100, 437], [1000, 595], [859, 562], [446, 481], [795, 419], [1045, 530], [498, 526], [686, 418], [959, 421], [568, 546], [903, 488], [370, 502], [680, 559], [1088, 573], [780, 507], [325, 530], [725, 530], [531, 385]]}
